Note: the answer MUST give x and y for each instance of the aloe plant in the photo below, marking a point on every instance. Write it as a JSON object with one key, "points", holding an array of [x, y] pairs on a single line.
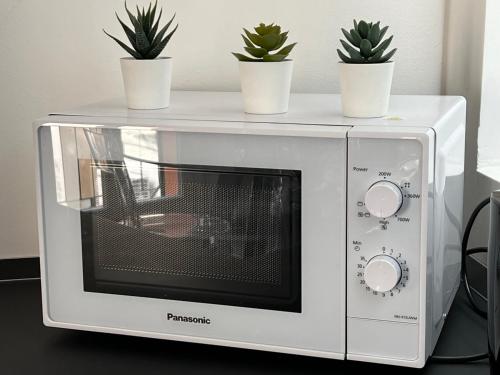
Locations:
{"points": [[147, 42], [366, 44], [266, 39]]}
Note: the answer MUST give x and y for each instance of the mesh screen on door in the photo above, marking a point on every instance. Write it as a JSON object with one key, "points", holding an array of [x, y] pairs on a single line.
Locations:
{"points": [[208, 234]]}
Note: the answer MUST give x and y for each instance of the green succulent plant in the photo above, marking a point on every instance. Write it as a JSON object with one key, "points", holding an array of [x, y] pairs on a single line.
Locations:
{"points": [[147, 42], [266, 39], [366, 45]]}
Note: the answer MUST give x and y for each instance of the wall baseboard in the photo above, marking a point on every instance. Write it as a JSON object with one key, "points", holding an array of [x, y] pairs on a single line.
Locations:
{"points": [[22, 268]]}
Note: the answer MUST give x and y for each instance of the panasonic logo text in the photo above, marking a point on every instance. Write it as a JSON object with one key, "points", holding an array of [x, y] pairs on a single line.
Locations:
{"points": [[188, 319]]}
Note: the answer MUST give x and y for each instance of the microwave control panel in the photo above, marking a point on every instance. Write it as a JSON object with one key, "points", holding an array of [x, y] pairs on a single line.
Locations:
{"points": [[384, 206]]}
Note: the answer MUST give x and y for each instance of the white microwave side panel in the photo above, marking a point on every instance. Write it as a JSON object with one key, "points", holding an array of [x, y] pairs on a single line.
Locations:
{"points": [[40, 221], [447, 221], [318, 331]]}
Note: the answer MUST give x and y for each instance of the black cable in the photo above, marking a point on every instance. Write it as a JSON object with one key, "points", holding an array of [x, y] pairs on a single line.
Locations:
{"points": [[477, 250], [465, 253], [459, 359]]}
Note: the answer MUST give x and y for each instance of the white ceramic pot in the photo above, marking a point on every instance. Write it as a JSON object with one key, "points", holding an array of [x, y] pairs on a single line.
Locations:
{"points": [[265, 86], [147, 82], [365, 88]]}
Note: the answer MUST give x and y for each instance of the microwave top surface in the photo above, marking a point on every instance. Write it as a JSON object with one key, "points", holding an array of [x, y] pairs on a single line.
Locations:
{"points": [[304, 109]]}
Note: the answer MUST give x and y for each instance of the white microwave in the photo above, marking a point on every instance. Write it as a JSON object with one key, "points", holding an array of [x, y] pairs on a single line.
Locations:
{"points": [[306, 233]]}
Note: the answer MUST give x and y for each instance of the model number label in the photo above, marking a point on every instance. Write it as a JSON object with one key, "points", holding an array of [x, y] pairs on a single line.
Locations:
{"points": [[405, 317]]}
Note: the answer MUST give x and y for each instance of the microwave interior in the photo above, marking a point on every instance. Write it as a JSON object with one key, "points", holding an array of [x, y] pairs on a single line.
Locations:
{"points": [[199, 233]]}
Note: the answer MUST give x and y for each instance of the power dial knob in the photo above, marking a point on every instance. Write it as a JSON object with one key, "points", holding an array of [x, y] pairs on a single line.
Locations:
{"points": [[382, 273], [383, 199]]}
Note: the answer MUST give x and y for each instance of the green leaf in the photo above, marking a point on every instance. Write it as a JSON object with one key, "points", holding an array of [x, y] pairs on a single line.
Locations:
{"points": [[366, 48], [348, 60], [356, 37], [383, 46], [343, 57], [286, 50], [255, 38], [382, 33], [261, 29], [147, 20], [352, 52], [283, 39], [132, 18], [363, 29], [376, 56], [156, 50], [374, 34], [270, 41], [349, 37], [276, 29], [274, 58], [388, 56], [256, 51], [133, 53], [247, 41], [355, 25], [242, 57], [162, 32], [141, 40], [140, 18], [153, 31], [128, 31], [152, 19]]}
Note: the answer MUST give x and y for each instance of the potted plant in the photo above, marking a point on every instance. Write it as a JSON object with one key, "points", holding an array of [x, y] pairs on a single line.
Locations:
{"points": [[366, 71], [146, 76], [266, 74]]}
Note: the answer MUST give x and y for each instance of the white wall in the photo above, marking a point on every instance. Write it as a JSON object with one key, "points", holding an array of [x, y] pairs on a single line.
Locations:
{"points": [[488, 161], [463, 76], [54, 54]]}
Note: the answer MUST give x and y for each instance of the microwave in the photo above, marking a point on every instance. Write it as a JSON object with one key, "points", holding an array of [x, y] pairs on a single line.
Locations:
{"points": [[306, 233]]}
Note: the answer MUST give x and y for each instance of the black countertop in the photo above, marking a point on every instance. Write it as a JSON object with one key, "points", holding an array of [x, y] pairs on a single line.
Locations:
{"points": [[27, 347]]}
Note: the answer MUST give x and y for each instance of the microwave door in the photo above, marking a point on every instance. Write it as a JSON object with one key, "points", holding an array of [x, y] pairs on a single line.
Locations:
{"points": [[145, 222]]}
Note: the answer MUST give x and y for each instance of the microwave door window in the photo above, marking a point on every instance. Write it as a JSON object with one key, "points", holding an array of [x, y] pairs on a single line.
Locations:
{"points": [[211, 234]]}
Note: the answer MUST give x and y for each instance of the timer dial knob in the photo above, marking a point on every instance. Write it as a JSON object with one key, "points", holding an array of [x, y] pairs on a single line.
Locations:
{"points": [[382, 273], [383, 199]]}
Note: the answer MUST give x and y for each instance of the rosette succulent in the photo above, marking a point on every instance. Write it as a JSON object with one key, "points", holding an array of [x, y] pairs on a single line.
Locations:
{"points": [[147, 42], [266, 39], [365, 44]]}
